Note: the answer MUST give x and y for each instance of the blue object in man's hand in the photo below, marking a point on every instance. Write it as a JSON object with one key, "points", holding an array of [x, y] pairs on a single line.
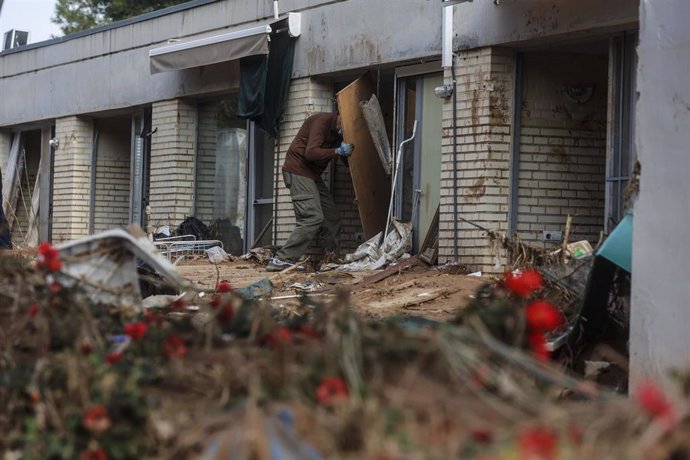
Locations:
{"points": [[345, 150]]}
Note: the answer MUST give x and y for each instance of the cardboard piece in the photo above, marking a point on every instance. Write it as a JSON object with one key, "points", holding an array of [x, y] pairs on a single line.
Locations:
{"points": [[371, 183]]}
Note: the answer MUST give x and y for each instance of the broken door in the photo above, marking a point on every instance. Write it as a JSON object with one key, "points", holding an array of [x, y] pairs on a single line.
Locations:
{"points": [[369, 179]]}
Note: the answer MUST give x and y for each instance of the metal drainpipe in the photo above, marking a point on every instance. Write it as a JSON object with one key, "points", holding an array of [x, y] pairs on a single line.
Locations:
{"points": [[92, 182], [455, 159], [515, 148]]}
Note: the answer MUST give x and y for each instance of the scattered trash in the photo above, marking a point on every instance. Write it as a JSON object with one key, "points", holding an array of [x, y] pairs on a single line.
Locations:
{"points": [[580, 249], [260, 255], [477, 274], [193, 226], [372, 256], [162, 232], [216, 255], [306, 286], [105, 265]]}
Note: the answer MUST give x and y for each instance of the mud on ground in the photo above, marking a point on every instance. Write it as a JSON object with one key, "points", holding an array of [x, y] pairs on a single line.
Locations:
{"points": [[428, 292]]}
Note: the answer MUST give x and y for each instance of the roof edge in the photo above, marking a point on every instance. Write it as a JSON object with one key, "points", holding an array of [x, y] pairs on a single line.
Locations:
{"points": [[115, 25]]}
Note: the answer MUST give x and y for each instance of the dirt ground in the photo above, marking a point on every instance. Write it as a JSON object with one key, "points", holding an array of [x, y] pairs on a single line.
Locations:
{"points": [[423, 291]]}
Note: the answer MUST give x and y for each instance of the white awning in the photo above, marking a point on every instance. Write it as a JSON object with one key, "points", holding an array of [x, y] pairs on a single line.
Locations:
{"points": [[227, 46], [210, 50]]}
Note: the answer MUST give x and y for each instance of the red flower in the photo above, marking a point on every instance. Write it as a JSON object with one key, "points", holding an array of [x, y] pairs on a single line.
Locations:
{"points": [[537, 344], [96, 419], [50, 261], [33, 309], [653, 401], [277, 338], [94, 454], [46, 250], [332, 390], [538, 444], [113, 358], [523, 284], [223, 287], [136, 330], [543, 316], [174, 347]]}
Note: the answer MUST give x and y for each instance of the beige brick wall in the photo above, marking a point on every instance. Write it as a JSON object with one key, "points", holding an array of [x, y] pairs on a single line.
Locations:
{"points": [[484, 95], [562, 146], [206, 162], [172, 161], [113, 174], [71, 178]]}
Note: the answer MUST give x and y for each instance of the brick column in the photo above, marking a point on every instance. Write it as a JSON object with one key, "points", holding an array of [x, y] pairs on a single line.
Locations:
{"points": [[172, 162], [72, 178], [484, 97], [305, 98]]}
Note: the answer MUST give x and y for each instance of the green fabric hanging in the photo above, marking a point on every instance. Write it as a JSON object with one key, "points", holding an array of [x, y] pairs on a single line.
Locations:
{"points": [[264, 84]]}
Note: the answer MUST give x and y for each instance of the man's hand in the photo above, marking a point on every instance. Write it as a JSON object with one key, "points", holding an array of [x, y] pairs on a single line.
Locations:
{"points": [[345, 150]]}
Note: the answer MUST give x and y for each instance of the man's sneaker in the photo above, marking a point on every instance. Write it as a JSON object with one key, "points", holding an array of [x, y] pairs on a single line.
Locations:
{"points": [[277, 265]]}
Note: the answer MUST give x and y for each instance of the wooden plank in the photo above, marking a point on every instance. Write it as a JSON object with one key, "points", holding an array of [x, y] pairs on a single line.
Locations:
{"points": [[429, 250], [369, 179], [390, 271]]}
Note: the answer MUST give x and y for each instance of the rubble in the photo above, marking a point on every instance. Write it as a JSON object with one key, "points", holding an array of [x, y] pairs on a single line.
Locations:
{"points": [[403, 363]]}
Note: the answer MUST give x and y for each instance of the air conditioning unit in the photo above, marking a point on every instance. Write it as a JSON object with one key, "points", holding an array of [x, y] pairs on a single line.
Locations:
{"points": [[14, 39]]}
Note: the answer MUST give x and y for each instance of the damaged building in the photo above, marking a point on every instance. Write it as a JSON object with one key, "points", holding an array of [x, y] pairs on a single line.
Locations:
{"points": [[524, 112]]}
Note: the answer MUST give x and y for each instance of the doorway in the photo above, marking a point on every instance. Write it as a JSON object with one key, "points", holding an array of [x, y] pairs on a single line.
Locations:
{"points": [[418, 186]]}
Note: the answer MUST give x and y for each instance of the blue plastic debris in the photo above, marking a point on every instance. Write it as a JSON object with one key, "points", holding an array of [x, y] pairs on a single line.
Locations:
{"points": [[618, 246]]}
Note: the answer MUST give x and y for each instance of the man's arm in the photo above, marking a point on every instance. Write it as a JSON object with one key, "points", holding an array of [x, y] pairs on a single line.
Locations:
{"points": [[318, 132]]}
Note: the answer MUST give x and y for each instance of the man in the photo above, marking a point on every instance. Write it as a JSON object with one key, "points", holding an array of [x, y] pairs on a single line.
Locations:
{"points": [[318, 141]]}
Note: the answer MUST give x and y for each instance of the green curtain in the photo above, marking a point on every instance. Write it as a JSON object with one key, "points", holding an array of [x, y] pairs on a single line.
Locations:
{"points": [[264, 84]]}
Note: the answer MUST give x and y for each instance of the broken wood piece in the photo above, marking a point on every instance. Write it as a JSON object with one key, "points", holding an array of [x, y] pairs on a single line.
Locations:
{"points": [[429, 251], [377, 127], [392, 270], [410, 299]]}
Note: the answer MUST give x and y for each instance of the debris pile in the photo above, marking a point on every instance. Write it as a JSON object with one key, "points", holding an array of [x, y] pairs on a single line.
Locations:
{"points": [[202, 376]]}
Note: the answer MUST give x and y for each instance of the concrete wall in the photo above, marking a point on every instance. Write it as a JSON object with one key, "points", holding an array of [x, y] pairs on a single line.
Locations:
{"points": [[112, 173], [109, 69], [483, 23], [484, 92], [659, 338], [562, 146]]}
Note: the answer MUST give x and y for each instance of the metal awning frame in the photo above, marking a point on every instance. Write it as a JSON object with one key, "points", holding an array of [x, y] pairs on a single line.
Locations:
{"points": [[226, 37]]}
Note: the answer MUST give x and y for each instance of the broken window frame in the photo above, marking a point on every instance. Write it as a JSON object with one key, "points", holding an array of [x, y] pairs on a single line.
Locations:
{"points": [[621, 152]]}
